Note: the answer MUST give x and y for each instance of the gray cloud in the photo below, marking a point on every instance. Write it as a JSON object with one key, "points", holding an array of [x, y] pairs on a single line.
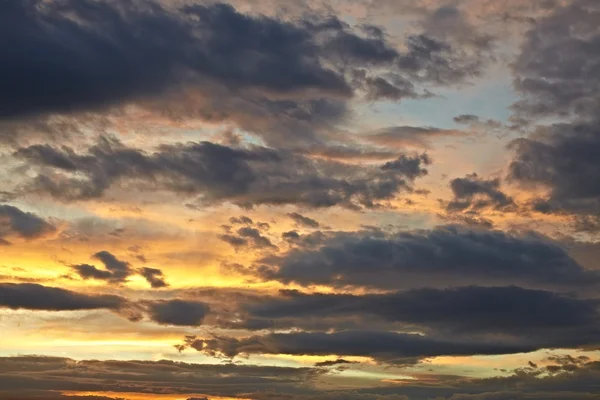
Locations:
{"points": [[442, 257], [565, 160], [154, 277], [242, 220], [216, 173], [60, 374], [37, 297], [34, 377], [280, 79], [177, 312], [466, 119], [415, 136], [475, 193], [556, 70], [118, 271], [383, 345], [303, 220], [115, 270], [29, 296], [557, 76], [538, 318], [247, 236], [14, 222]]}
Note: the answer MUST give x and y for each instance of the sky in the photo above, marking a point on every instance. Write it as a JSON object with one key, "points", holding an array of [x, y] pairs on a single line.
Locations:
{"points": [[293, 200]]}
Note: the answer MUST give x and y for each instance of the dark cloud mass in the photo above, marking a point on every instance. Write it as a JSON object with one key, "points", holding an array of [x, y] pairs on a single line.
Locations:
{"points": [[538, 318], [565, 161], [44, 377], [14, 222], [284, 80], [474, 193], [304, 221], [415, 136], [216, 173], [178, 312], [442, 257], [116, 270], [36, 297], [557, 75], [154, 276], [257, 177], [378, 344], [557, 69]]}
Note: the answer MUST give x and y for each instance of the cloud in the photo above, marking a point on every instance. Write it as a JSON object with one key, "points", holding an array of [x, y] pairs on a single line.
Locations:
{"points": [[339, 361], [32, 377], [248, 237], [564, 160], [382, 345], [475, 193], [415, 136], [116, 271], [50, 374], [304, 221], [29, 296], [285, 80], [442, 257], [538, 318], [555, 71], [177, 312], [242, 220], [154, 277], [243, 176], [562, 157], [466, 119], [37, 297], [14, 222]]}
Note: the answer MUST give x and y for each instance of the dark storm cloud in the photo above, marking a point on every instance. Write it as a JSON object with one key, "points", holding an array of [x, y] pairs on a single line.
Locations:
{"points": [[474, 193], [216, 173], [415, 136], [36, 297], [383, 345], [178, 312], [14, 222], [280, 79], [154, 277], [442, 257], [303, 220], [514, 313]]}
